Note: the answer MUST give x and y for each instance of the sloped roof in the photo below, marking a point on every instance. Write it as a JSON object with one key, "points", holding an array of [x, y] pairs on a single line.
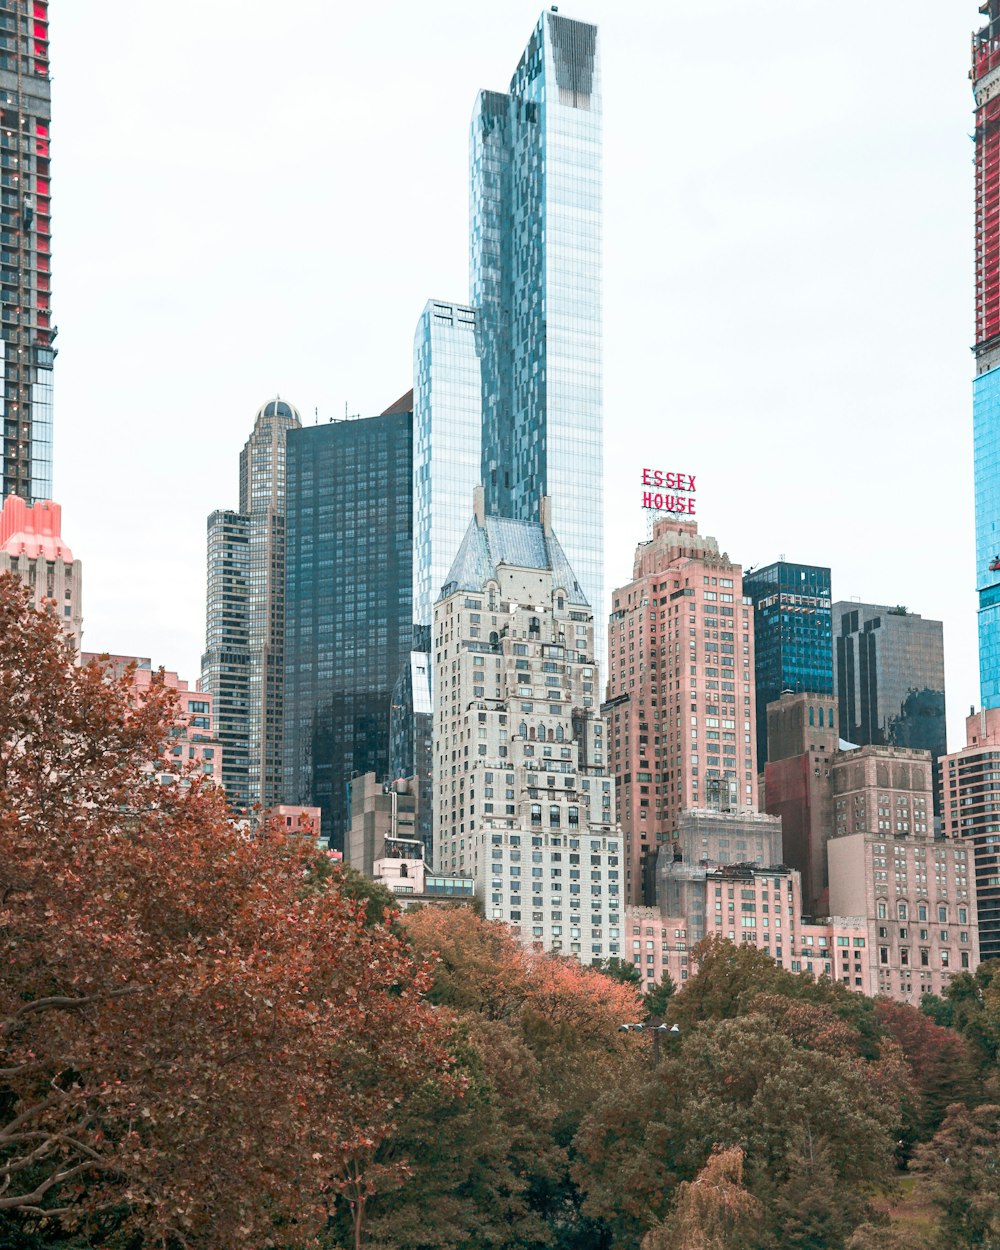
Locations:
{"points": [[520, 544]]}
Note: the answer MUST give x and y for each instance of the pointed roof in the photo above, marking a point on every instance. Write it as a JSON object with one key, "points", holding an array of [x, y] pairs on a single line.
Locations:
{"points": [[520, 544]]}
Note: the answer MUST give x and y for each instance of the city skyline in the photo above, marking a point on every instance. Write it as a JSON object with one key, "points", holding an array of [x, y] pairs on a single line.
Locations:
{"points": [[715, 264]]}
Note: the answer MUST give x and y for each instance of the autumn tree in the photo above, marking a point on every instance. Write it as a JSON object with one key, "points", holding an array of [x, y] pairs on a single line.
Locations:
{"points": [[194, 1033], [712, 1212]]}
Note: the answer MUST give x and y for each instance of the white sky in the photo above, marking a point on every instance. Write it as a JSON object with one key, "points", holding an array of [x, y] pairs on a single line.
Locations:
{"points": [[252, 197]]}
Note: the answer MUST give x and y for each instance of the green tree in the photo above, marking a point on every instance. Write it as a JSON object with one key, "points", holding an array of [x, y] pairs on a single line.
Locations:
{"points": [[961, 1167], [658, 1000], [620, 970]]}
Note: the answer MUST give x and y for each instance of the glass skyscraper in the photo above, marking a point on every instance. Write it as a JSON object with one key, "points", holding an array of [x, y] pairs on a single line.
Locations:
{"points": [[348, 604], [535, 276], [890, 679], [793, 639], [446, 445]]}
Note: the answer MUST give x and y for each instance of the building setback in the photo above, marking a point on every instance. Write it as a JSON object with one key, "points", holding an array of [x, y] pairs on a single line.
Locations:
{"points": [[970, 786], [26, 332], [890, 678], [33, 550], [535, 272], [680, 696], [793, 647], [411, 727], [523, 802], [348, 604]]}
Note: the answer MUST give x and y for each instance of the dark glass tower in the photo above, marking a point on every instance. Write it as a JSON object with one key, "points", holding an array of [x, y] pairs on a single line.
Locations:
{"points": [[793, 648], [26, 331], [348, 604], [890, 679]]}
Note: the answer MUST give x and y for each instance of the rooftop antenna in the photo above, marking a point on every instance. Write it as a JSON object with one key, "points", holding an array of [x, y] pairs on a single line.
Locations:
{"points": [[345, 409], [316, 416]]}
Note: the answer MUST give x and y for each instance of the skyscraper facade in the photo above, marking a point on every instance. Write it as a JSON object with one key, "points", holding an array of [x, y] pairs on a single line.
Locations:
{"points": [[680, 692], [26, 332], [349, 604], [890, 678], [262, 501], [535, 277], [986, 388], [225, 666], [970, 785], [447, 440], [793, 647], [524, 803], [243, 664]]}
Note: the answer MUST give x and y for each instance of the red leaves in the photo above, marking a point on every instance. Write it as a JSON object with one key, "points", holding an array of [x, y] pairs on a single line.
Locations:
{"points": [[183, 1026]]}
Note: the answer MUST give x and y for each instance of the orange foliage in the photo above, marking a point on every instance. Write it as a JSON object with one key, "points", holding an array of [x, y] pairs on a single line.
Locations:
{"points": [[191, 1024]]}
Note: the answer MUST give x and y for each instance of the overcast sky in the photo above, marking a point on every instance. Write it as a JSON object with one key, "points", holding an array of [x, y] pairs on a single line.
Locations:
{"points": [[251, 197]]}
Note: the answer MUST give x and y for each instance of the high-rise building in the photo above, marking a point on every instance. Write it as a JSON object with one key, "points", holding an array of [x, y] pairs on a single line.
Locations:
{"points": [[225, 666], [970, 786], [26, 331], [680, 693], [802, 741], [535, 276], [986, 388], [524, 804], [348, 602], [243, 664], [447, 440], [890, 678], [32, 548], [262, 502], [793, 642]]}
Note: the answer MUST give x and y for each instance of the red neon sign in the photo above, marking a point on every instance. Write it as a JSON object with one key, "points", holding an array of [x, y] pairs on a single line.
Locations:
{"points": [[672, 492]]}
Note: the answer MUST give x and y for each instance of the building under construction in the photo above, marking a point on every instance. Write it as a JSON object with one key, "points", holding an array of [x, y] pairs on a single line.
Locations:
{"points": [[26, 331]]}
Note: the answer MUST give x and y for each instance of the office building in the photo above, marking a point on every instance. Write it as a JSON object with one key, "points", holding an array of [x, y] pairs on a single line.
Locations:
{"points": [[348, 602], [535, 276], [793, 642], [33, 550], [986, 388], [970, 785], [243, 664], [890, 678], [524, 804], [680, 694], [802, 743], [447, 441], [27, 354]]}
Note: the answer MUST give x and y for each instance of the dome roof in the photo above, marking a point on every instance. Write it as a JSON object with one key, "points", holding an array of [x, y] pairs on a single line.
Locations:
{"points": [[279, 407]]}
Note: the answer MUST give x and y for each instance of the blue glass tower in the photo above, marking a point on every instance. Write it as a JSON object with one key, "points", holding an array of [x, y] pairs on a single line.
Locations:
{"points": [[793, 638], [535, 276], [447, 420]]}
